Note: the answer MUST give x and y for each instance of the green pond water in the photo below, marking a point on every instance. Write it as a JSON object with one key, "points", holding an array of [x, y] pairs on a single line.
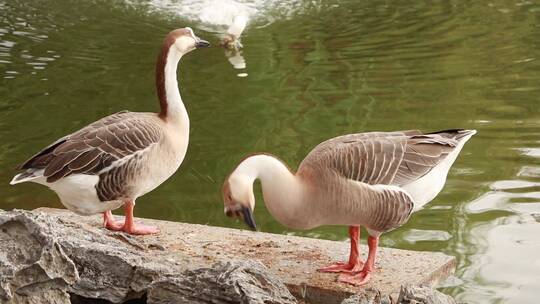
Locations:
{"points": [[315, 69]]}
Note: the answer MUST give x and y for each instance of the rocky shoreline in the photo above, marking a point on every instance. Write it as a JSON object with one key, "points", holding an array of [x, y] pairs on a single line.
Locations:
{"points": [[45, 259]]}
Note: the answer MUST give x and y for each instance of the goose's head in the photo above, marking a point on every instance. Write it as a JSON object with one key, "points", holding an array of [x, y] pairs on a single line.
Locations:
{"points": [[184, 40], [239, 199]]}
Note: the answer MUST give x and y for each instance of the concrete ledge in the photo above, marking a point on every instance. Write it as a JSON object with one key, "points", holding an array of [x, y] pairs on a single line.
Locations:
{"points": [[293, 259]]}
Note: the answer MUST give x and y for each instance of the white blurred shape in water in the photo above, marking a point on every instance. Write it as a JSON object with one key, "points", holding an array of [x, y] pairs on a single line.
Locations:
{"points": [[232, 38], [532, 152], [222, 12], [237, 61], [416, 235], [238, 25], [512, 184], [529, 171], [212, 12]]}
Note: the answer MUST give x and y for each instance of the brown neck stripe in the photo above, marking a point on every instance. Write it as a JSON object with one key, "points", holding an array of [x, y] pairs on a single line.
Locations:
{"points": [[160, 68]]}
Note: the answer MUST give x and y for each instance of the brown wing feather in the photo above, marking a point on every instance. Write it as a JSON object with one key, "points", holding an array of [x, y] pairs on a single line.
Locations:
{"points": [[391, 158], [95, 147]]}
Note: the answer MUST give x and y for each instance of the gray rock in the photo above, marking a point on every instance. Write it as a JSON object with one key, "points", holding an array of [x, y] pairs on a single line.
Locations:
{"points": [[423, 295], [30, 259], [370, 296], [407, 295], [234, 282], [45, 296], [45, 259]]}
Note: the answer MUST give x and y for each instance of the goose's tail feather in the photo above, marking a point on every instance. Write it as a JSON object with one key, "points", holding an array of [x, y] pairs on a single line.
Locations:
{"points": [[456, 134], [26, 176]]}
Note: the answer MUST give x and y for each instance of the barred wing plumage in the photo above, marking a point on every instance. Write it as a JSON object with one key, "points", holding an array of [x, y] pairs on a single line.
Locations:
{"points": [[94, 149], [387, 158]]}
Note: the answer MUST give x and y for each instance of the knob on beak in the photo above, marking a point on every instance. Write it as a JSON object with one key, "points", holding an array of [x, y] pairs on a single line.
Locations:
{"points": [[202, 44]]}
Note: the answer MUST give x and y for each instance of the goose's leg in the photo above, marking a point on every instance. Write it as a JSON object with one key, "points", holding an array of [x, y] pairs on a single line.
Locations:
{"points": [[355, 263], [364, 275], [110, 223], [132, 228]]}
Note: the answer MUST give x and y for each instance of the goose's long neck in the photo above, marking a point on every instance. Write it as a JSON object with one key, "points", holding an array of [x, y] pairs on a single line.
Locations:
{"points": [[283, 191], [172, 107]]}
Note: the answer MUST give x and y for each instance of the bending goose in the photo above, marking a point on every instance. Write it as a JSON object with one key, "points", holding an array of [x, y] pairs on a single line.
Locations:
{"points": [[117, 159], [373, 180]]}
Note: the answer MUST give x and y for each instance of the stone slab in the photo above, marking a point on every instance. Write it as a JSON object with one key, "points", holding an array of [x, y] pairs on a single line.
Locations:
{"points": [[293, 259]]}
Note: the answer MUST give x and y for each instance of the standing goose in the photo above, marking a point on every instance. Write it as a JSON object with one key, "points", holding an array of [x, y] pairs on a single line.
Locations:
{"points": [[372, 179], [118, 158]]}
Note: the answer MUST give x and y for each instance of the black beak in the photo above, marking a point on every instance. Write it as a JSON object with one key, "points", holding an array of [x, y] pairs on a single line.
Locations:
{"points": [[248, 218], [202, 44]]}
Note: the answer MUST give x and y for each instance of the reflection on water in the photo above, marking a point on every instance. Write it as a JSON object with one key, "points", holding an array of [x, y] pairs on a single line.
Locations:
{"points": [[316, 71], [212, 13], [236, 60], [500, 265], [231, 43], [416, 235]]}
